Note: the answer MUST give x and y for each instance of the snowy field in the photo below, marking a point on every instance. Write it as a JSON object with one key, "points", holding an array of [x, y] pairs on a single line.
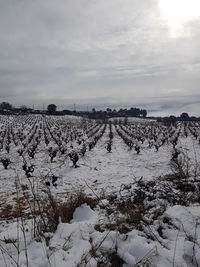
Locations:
{"points": [[77, 192]]}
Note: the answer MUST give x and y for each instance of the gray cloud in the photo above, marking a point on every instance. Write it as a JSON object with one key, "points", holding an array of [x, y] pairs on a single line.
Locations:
{"points": [[88, 50]]}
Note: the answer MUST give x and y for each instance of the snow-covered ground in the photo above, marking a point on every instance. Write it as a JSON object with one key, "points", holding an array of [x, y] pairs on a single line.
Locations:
{"points": [[78, 243], [168, 232]]}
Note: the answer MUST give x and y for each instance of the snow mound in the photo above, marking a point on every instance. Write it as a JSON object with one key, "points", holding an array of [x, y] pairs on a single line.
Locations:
{"points": [[84, 213]]}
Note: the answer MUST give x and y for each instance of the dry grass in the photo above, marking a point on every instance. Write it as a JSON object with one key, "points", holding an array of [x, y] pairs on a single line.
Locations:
{"points": [[54, 211]]}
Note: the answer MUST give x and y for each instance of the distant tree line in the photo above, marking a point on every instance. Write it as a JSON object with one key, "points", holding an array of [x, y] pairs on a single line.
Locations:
{"points": [[5, 106], [8, 109], [173, 119], [101, 114]]}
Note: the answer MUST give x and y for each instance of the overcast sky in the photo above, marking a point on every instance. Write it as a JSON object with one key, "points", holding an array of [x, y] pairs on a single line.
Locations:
{"points": [[98, 53]]}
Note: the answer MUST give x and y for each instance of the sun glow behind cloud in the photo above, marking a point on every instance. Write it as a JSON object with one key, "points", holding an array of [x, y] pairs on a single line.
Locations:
{"points": [[177, 12]]}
